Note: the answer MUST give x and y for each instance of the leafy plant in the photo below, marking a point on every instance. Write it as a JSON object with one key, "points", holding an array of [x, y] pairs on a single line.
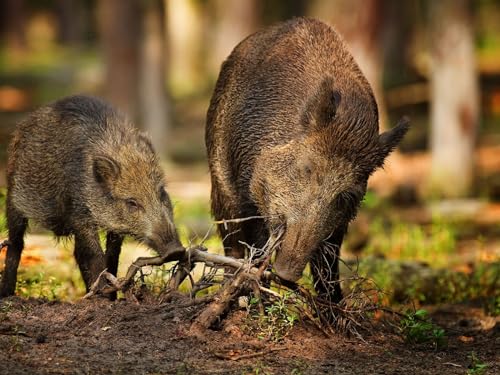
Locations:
{"points": [[476, 367], [279, 317], [419, 329]]}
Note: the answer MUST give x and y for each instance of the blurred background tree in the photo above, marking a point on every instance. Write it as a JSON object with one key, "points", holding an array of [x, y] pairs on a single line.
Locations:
{"points": [[119, 26], [455, 97], [361, 23], [438, 62]]}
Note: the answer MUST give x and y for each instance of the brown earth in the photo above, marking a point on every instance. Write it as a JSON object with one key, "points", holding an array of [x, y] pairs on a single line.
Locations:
{"points": [[122, 337]]}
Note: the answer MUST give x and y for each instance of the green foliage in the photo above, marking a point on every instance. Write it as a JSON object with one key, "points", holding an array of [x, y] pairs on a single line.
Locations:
{"points": [[406, 241], [476, 367], [417, 328], [372, 201], [492, 305], [401, 282], [279, 317], [39, 286], [381, 272]]}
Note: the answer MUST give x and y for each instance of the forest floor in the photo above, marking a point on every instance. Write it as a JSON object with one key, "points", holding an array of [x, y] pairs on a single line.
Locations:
{"points": [[100, 337]]}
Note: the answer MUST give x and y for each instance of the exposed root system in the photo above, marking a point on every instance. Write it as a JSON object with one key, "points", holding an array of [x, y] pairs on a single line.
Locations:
{"points": [[252, 276]]}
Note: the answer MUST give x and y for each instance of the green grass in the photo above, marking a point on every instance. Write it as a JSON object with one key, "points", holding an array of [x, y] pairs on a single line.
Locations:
{"points": [[407, 241], [414, 262], [404, 282]]}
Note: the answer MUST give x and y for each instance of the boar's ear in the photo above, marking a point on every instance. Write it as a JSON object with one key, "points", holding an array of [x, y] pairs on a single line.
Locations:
{"points": [[322, 107], [106, 170], [390, 139]]}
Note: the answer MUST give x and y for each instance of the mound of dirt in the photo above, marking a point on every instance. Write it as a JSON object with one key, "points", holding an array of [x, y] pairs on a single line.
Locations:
{"points": [[101, 337]]}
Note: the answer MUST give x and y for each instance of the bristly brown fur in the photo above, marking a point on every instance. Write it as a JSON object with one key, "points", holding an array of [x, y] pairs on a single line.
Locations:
{"points": [[292, 135], [76, 166]]}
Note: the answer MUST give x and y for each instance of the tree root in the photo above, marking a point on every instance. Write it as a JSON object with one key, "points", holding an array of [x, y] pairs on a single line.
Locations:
{"points": [[123, 284], [196, 254], [250, 276]]}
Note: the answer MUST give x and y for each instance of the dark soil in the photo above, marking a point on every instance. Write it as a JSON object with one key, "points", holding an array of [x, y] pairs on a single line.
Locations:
{"points": [[101, 337]]}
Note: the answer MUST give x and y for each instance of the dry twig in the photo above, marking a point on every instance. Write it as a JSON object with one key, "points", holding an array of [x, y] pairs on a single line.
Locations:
{"points": [[236, 357]]}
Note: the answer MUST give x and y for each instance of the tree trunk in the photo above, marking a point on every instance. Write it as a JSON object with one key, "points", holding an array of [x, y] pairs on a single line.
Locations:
{"points": [[155, 107], [119, 28], [72, 18], [360, 22], [234, 21], [185, 43], [14, 18], [455, 98]]}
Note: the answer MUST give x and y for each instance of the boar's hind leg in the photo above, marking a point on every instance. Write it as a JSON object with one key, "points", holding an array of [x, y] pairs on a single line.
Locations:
{"points": [[113, 247], [16, 224], [89, 255], [325, 268], [230, 232]]}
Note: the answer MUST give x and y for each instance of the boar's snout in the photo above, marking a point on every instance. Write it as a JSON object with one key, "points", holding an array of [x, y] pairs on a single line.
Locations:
{"points": [[165, 240], [286, 272], [296, 249]]}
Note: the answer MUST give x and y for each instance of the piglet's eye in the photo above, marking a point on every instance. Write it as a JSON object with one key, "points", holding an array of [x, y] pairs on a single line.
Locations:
{"points": [[132, 205]]}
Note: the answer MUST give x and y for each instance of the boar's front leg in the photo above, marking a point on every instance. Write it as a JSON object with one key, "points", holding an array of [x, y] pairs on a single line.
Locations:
{"points": [[325, 267], [89, 255], [113, 248]]}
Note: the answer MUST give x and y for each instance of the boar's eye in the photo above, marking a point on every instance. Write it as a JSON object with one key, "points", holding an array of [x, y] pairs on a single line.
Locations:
{"points": [[132, 205], [163, 194], [307, 170]]}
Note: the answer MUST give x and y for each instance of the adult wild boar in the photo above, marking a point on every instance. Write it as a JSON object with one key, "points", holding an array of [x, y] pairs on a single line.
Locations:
{"points": [[292, 136], [77, 166]]}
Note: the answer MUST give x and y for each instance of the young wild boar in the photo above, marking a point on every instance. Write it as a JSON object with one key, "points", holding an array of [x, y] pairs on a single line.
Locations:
{"points": [[292, 135], [77, 166]]}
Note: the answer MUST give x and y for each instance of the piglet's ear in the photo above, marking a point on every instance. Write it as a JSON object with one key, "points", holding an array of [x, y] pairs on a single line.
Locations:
{"points": [[106, 170], [322, 107], [390, 139]]}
